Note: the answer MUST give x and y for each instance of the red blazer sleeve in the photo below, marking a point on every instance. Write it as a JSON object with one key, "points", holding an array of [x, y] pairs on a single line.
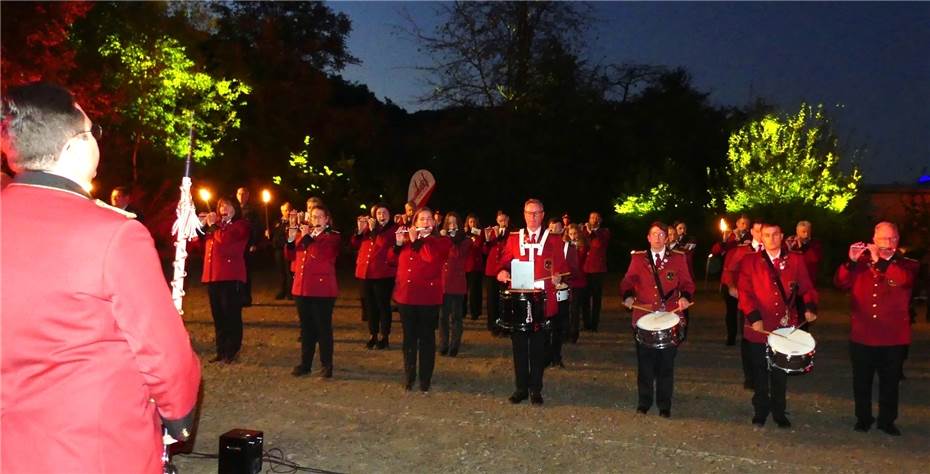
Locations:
{"points": [[145, 313], [747, 296]]}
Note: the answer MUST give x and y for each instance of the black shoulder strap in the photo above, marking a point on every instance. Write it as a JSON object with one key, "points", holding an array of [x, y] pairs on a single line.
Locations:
{"points": [[777, 276]]}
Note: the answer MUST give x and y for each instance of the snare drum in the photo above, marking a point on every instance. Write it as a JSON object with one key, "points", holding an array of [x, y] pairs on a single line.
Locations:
{"points": [[659, 330], [793, 353], [522, 310]]}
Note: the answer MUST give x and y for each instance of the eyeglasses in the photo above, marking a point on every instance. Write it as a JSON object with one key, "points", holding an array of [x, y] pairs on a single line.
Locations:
{"points": [[95, 130]]}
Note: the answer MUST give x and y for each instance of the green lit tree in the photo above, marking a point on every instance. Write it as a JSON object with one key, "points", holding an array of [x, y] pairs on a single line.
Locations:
{"points": [[791, 159], [168, 93], [312, 174]]}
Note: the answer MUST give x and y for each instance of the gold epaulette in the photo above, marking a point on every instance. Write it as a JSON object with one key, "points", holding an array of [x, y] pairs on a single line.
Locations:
{"points": [[122, 212], [679, 252], [637, 252]]}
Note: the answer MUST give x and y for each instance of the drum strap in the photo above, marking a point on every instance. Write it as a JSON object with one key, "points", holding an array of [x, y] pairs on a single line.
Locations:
{"points": [[655, 275], [777, 277]]}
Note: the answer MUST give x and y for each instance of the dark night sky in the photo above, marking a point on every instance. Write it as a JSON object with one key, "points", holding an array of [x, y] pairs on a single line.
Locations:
{"points": [[868, 63]]}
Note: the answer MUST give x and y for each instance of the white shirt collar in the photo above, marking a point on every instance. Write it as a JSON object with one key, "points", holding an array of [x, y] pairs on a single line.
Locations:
{"points": [[653, 253], [773, 257]]}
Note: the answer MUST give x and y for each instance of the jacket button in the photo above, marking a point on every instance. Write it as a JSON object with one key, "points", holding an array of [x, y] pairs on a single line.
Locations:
{"points": [[408, 281], [874, 316]]}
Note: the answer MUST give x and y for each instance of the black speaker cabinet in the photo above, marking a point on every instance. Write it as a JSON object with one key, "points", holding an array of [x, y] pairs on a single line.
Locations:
{"points": [[241, 452]]}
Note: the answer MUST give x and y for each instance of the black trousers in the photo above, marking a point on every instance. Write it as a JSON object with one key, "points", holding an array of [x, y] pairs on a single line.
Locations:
{"points": [[579, 310], [246, 290], [770, 385], [283, 266], [474, 293], [419, 341], [746, 358], [493, 288], [529, 359], [226, 309], [656, 374], [730, 317], [377, 295], [595, 290], [556, 333], [450, 323], [316, 327], [887, 361]]}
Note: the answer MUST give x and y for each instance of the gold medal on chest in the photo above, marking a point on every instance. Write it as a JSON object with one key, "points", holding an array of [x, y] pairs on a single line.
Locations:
{"points": [[670, 276]]}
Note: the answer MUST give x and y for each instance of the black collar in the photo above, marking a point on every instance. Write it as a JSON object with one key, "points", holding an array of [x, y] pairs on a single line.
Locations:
{"points": [[41, 178]]}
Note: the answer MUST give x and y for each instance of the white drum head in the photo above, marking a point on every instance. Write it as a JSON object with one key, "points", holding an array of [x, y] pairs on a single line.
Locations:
{"points": [[794, 342], [658, 321]]}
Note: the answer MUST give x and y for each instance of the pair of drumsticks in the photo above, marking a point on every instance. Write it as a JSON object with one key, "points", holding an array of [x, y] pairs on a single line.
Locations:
{"points": [[650, 310]]}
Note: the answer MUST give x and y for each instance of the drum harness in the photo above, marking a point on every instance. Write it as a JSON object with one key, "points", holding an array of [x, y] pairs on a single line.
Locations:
{"points": [[787, 299], [663, 297]]}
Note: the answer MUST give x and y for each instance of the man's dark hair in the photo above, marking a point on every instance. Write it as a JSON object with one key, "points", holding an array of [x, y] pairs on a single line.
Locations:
{"points": [[38, 120], [661, 225]]}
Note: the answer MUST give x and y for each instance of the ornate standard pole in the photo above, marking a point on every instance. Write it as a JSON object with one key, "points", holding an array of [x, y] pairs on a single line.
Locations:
{"points": [[185, 228]]}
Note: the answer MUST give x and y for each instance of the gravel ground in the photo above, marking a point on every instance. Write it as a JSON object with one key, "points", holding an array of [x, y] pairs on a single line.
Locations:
{"points": [[363, 421]]}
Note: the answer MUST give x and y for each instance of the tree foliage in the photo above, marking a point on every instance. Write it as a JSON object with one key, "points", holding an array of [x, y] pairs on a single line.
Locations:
{"points": [[170, 94], [488, 53], [790, 159]]}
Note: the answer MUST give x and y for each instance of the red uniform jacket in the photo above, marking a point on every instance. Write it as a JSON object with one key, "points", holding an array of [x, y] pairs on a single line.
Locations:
{"points": [[596, 261], [475, 260], [316, 267], [494, 248], [721, 248], [550, 262], [759, 296], [419, 270], [640, 282], [812, 251], [730, 274], [93, 349], [223, 256], [880, 297], [453, 270], [373, 249], [575, 257], [686, 248]]}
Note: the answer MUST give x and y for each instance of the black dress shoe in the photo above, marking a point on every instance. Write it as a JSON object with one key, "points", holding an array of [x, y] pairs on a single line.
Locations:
{"points": [[453, 352], [518, 397], [536, 398], [642, 410], [371, 342], [300, 371], [862, 426], [889, 428], [424, 387], [382, 343], [665, 413], [443, 352], [216, 358], [782, 422], [279, 296], [326, 372], [758, 421]]}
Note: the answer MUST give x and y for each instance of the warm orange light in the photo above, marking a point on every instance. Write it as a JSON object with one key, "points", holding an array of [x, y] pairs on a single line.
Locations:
{"points": [[205, 194], [723, 225], [266, 196]]}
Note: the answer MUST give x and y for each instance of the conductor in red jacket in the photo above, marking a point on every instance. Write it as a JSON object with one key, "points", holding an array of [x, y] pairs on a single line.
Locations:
{"points": [[768, 283], [315, 290], [419, 255], [224, 272], [533, 243], [95, 357], [881, 281]]}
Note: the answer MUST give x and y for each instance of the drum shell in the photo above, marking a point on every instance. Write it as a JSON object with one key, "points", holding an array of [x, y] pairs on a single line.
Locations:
{"points": [[659, 338], [788, 363], [514, 308]]}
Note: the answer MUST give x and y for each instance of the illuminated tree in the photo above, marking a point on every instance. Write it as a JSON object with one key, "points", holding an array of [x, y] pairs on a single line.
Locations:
{"points": [[167, 93], [792, 159], [316, 176]]}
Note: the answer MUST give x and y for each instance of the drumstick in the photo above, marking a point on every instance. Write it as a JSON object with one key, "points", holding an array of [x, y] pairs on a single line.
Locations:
{"points": [[642, 308], [553, 276]]}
